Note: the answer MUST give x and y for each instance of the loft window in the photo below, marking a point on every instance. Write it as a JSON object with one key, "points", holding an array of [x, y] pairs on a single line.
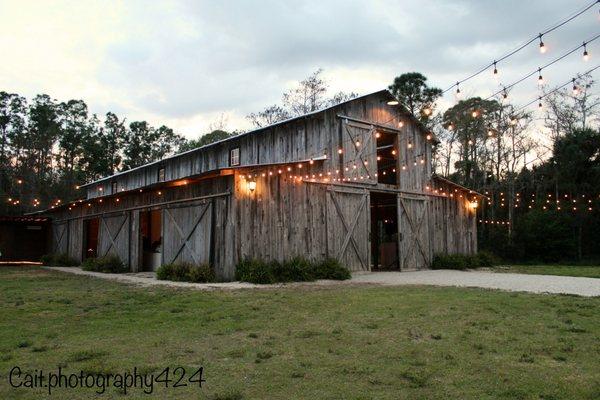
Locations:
{"points": [[234, 157], [161, 174], [113, 187], [387, 158]]}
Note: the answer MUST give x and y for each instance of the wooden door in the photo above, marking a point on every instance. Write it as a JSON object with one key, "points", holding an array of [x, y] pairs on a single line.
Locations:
{"points": [[359, 152], [60, 237], [113, 237], [187, 233], [413, 232], [348, 228]]}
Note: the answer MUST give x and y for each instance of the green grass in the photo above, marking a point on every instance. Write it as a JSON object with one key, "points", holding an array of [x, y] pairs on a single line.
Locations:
{"points": [[563, 270], [327, 343]]}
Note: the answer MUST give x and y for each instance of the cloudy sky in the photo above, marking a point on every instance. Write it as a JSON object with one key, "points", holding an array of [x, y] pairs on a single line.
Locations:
{"points": [[185, 63]]}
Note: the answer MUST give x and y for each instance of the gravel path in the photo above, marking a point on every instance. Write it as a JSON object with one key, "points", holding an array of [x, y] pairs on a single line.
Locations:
{"points": [[489, 280]]}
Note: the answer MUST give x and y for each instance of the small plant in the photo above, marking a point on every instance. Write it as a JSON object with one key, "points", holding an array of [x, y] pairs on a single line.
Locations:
{"points": [[58, 260], [185, 272], [106, 264], [330, 268], [449, 261], [487, 259], [297, 269], [255, 271]]}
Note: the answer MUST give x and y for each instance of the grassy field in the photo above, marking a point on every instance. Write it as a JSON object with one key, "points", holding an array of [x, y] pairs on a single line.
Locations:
{"points": [[563, 270], [335, 343]]}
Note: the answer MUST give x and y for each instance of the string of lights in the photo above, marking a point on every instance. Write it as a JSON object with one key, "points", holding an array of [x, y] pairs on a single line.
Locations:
{"points": [[535, 38]]}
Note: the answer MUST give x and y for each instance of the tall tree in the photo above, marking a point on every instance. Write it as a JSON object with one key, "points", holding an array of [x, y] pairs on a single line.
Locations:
{"points": [[412, 91], [308, 96], [268, 116]]}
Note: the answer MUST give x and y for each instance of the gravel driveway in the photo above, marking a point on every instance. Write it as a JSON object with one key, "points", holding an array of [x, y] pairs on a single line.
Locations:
{"points": [[488, 280]]}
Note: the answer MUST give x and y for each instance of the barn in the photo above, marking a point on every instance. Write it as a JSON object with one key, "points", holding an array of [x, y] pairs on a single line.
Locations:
{"points": [[353, 181]]}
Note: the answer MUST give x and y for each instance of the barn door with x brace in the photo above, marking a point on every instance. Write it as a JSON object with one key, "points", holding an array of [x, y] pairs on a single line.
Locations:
{"points": [[348, 228], [60, 237], [114, 236], [187, 233], [413, 232], [359, 152]]}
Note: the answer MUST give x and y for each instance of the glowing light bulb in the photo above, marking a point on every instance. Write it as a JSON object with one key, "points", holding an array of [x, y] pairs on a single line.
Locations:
{"points": [[542, 45], [540, 78], [586, 55], [495, 69]]}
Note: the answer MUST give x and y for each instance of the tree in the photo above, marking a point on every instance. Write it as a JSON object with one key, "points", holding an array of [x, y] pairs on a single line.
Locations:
{"points": [[268, 116], [341, 97], [144, 144], [412, 91], [74, 133], [308, 96], [12, 123], [203, 140]]}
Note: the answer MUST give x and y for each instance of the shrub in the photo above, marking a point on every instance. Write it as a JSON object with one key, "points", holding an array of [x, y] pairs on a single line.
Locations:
{"points": [[106, 264], [201, 273], [297, 269], [58, 260], [486, 259], [185, 272], [449, 261], [463, 261], [330, 268], [255, 271]]}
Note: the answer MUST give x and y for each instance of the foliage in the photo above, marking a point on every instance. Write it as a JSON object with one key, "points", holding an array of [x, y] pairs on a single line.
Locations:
{"points": [[208, 138], [58, 260], [48, 148], [463, 261], [106, 264], [185, 272], [296, 269], [330, 268], [307, 96], [412, 91]]}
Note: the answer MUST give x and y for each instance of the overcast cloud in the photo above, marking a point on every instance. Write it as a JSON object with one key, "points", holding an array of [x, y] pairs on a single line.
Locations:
{"points": [[184, 63]]}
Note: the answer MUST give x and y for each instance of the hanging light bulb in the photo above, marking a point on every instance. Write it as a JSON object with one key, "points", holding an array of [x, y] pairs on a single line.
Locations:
{"points": [[450, 126], [540, 105], [575, 88], [513, 120], [542, 46], [427, 111], [504, 94], [474, 114], [490, 132], [458, 90], [495, 69], [586, 55], [540, 78]]}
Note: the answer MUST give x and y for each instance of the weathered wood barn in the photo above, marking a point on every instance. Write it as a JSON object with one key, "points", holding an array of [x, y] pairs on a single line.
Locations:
{"points": [[353, 181]]}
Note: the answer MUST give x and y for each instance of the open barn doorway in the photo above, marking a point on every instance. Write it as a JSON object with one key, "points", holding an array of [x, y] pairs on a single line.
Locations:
{"points": [[384, 231], [90, 238], [151, 236]]}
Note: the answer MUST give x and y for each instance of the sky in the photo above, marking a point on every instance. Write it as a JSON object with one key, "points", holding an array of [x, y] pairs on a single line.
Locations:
{"points": [[187, 64]]}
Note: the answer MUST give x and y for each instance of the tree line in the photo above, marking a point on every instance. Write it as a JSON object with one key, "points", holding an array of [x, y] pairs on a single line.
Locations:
{"points": [[49, 148], [539, 170]]}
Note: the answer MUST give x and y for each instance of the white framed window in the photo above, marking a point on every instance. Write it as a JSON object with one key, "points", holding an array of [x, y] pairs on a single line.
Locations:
{"points": [[113, 187], [161, 174], [234, 157]]}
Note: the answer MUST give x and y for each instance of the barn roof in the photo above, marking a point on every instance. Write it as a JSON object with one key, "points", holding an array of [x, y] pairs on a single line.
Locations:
{"points": [[206, 147]]}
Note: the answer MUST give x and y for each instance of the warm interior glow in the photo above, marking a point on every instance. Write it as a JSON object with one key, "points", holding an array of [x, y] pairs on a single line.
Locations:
{"points": [[393, 103], [251, 185], [474, 204]]}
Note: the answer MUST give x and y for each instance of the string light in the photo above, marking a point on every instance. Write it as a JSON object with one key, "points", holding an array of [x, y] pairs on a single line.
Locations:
{"points": [[542, 45], [540, 105], [495, 69], [540, 78], [586, 55], [575, 88]]}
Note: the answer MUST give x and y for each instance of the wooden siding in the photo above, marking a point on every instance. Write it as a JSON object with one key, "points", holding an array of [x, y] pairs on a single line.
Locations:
{"points": [[285, 217]]}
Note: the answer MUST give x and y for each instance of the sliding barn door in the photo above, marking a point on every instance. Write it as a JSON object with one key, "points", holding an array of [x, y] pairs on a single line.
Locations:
{"points": [[113, 236], [348, 228], [187, 233], [359, 152], [413, 233], [60, 237]]}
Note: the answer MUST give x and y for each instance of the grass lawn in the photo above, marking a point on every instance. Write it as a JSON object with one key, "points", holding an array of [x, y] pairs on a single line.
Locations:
{"points": [[328, 343], [564, 270]]}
